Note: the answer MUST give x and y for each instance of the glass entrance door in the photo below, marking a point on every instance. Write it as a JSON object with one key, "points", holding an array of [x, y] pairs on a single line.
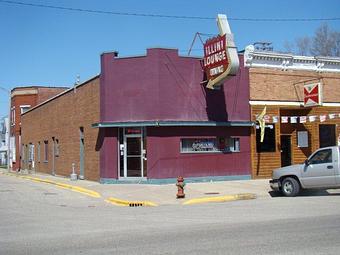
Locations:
{"points": [[133, 160]]}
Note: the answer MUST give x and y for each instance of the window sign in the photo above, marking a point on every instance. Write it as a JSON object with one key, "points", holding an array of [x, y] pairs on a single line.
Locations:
{"points": [[133, 130], [302, 139], [204, 145]]}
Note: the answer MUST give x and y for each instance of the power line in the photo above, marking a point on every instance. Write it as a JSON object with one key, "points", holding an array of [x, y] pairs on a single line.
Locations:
{"points": [[165, 16]]}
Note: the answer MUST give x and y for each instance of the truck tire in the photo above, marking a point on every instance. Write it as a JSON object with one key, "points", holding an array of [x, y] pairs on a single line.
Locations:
{"points": [[290, 187]]}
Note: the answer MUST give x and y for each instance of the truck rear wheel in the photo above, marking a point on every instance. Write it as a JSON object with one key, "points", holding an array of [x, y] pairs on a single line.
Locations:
{"points": [[290, 187]]}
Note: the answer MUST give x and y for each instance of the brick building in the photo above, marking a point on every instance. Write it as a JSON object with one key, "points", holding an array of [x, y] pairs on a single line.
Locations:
{"points": [[158, 121], [137, 123], [57, 133], [293, 130], [22, 99]]}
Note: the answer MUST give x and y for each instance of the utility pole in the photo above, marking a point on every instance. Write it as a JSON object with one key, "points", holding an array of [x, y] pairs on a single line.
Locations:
{"points": [[8, 126]]}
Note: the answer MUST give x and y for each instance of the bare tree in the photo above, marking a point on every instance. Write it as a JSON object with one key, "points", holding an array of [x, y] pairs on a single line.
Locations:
{"points": [[288, 47], [336, 44], [303, 45], [324, 42]]}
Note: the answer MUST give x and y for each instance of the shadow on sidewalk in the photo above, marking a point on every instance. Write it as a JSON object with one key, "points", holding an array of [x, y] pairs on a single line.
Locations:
{"points": [[307, 193]]}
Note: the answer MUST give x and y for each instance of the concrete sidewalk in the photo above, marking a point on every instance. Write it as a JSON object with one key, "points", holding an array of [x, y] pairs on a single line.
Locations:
{"points": [[165, 194]]}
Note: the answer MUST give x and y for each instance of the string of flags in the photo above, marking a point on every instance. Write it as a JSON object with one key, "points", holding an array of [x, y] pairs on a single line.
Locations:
{"points": [[298, 119]]}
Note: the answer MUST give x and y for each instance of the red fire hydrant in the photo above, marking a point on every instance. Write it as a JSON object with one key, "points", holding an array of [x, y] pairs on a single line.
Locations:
{"points": [[180, 187]]}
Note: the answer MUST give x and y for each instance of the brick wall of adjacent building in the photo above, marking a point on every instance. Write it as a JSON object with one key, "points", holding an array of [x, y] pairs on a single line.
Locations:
{"points": [[45, 93], [276, 84], [26, 96], [60, 120], [287, 86]]}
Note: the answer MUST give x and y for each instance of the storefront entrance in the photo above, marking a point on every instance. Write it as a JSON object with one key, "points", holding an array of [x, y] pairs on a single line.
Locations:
{"points": [[132, 153], [286, 154]]}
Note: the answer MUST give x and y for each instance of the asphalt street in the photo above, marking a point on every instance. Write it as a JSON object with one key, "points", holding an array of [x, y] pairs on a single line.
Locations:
{"points": [[36, 218]]}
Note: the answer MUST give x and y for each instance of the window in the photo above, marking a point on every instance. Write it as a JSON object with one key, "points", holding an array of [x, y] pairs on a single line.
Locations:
{"points": [[204, 145], [13, 116], [234, 144], [268, 144], [38, 152], [327, 135], [24, 108], [22, 153], [30, 152], [12, 149], [56, 148], [322, 157], [45, 151], [302, 139]]}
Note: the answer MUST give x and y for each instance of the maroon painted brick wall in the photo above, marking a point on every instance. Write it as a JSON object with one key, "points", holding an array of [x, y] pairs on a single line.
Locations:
{"points": [[108, 152], [166, 161], [165, 86]]}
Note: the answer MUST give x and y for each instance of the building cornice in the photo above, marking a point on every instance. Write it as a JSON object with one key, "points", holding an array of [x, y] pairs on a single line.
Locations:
{"points": [[22, 92], [283, 61]]}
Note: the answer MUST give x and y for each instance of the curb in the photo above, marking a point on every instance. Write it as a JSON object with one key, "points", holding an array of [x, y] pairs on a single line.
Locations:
{"points": [[82, 190], [228, 198], [120, 202]]}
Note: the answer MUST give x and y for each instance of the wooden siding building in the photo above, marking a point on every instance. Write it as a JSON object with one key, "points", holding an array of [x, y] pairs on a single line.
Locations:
{"points": [[292, 131]]}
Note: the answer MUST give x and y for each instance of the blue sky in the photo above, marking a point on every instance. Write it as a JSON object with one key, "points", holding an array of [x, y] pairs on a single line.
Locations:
{"points": [[50, 47]]}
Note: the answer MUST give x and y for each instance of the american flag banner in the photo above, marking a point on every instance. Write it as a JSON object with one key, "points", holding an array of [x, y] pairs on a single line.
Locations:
{"points": [[312, 118], [293, 119], [303, 119], [284, 119], [323, 118]]}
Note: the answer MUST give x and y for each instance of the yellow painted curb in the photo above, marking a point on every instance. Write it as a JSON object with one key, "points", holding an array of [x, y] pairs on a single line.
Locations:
{"points": [[121, 202], [82, 190], [220, 199]]}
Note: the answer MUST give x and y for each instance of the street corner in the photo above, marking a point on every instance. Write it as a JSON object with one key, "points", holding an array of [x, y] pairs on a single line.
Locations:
{"points": [[121, 202], [220, 199]]}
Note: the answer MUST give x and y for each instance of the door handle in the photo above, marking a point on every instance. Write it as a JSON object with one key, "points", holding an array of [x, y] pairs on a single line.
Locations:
{"points": [[329, 167]]}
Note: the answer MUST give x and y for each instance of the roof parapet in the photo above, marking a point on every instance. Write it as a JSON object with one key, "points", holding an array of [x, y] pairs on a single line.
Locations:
{"points": [[284, 61]]}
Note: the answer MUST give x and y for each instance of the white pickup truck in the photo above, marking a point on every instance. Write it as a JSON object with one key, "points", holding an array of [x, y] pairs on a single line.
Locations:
{"points": [[320, 171]]}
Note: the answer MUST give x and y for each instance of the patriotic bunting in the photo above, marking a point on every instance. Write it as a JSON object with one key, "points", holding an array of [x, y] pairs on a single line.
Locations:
{"points": [[266, 118], [293, 119], [312, 118], [303, 119], [284, 119], [299, 119], [322, 118]]}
